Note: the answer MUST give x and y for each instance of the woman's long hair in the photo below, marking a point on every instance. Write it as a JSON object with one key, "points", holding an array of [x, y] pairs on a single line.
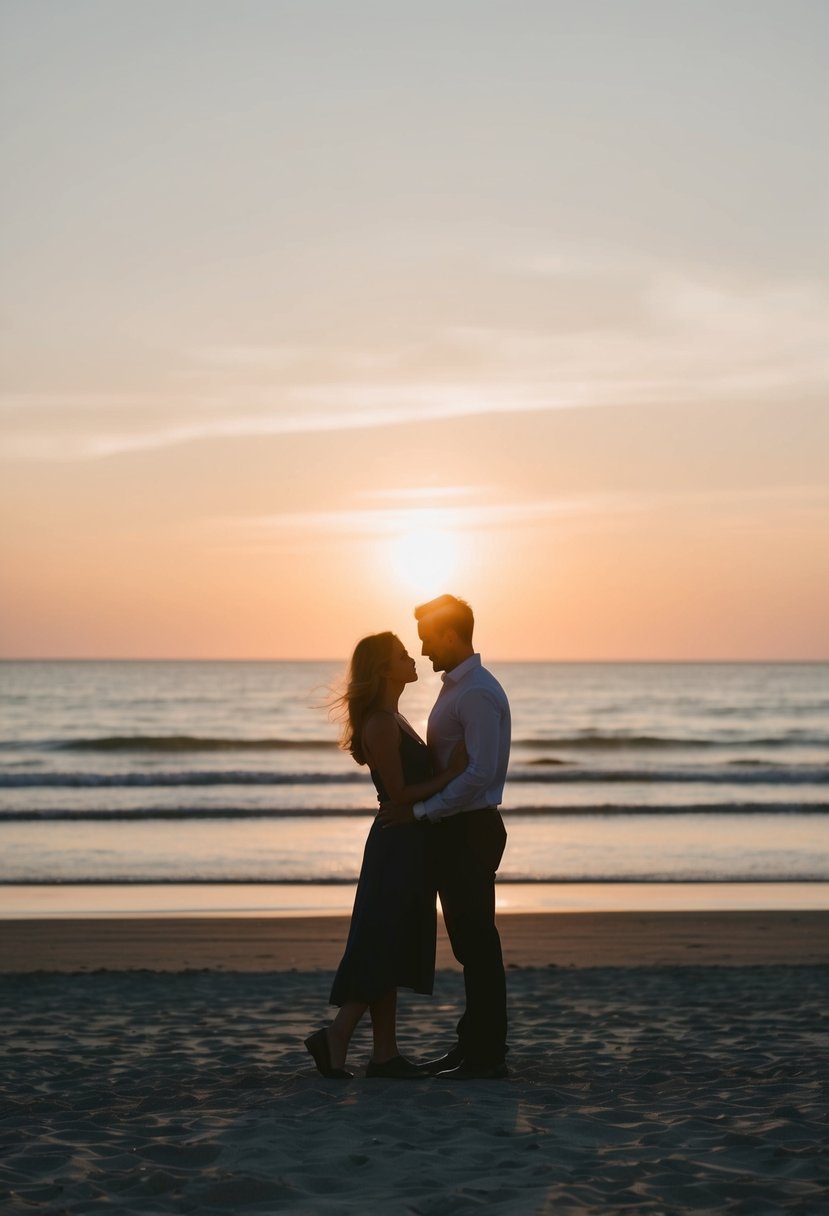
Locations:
{"points": [[363, 687]]}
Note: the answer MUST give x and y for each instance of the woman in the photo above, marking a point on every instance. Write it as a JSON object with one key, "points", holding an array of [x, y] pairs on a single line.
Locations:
{"points": [[391, 942]]}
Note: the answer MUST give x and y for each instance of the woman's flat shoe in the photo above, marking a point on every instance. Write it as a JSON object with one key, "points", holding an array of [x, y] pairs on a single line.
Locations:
{"points": [[398, 1068], [320, 1049]]}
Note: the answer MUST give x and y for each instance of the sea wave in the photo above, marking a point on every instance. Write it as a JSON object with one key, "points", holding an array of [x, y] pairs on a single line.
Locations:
{"points": [[185, 743], [601, 741], [344, 880], [588, 740], [182, 777], [132, 814], [804, 774]]}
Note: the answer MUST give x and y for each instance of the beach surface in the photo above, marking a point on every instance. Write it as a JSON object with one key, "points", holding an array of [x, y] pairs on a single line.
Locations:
{"points": [[311, 943], [660, 1063]]}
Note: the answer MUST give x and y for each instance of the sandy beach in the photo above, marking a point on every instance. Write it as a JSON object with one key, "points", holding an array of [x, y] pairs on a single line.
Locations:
{"points": [[310, 943], [659, 1063]]}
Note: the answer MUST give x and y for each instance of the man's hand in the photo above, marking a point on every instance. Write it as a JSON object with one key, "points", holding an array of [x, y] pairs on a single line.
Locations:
{"points": [[392, 814]]}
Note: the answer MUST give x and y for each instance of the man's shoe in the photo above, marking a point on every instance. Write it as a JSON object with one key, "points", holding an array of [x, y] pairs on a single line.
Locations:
{"points": [[398, 1068], [468, 1071], [452, 1059]]}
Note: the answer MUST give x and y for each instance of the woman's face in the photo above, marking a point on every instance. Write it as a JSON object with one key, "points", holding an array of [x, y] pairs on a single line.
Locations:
{"points": [[401, 667]]}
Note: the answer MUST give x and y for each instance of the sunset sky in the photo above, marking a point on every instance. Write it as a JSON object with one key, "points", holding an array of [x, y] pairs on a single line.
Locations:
{"points": [[313, 309]]}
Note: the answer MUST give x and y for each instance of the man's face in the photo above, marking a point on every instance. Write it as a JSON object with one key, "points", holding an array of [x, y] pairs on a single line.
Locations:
{"points": [[436, 641]]}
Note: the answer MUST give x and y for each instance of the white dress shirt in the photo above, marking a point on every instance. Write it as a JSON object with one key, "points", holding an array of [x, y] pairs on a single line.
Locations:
{"points": [[472, 707]]}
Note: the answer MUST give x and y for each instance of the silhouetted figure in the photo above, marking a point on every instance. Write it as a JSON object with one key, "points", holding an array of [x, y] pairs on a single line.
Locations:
{"points": [[391, 941], [468, 836]]}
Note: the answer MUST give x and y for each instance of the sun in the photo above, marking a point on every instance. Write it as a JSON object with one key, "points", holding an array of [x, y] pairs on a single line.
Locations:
{"points": [[425, 559]]}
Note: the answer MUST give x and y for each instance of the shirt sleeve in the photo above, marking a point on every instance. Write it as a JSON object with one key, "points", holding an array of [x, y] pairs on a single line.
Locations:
{"points": [[480, 716]]}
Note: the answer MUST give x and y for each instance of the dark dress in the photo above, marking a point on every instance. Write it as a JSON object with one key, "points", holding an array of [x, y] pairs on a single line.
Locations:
{"points": [[391, 942]]}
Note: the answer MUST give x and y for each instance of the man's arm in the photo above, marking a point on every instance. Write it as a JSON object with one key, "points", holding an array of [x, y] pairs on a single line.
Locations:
{"points": [[480, 714]]}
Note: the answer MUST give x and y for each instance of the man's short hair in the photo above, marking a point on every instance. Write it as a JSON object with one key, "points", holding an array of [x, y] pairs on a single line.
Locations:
{"points": [[449, 610]]}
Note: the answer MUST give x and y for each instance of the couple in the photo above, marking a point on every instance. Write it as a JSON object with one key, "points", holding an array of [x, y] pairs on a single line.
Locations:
{"points": [[438, 829]]}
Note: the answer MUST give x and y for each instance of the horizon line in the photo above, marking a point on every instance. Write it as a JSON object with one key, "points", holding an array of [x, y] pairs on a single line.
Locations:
{"points": [[344, 659]]}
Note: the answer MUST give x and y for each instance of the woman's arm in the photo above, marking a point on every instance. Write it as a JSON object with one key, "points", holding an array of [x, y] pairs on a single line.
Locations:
{"points": [[381, 735]]}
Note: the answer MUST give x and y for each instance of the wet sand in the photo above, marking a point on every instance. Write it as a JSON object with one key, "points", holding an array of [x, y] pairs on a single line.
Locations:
{"points": [[581, 939]]}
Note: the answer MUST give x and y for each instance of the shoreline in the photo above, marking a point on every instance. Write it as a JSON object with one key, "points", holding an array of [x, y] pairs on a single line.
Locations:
{"points": [[37, 900], [315, 943]]}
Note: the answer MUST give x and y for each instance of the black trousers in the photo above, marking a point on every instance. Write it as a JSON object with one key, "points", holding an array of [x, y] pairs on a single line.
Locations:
{"points": [[468, 849]]}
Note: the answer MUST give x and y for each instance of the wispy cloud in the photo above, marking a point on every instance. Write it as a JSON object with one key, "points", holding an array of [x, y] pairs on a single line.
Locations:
{"points": [[307, 409], [486, 515], [674, 338], [392, 521], [429, 495]]}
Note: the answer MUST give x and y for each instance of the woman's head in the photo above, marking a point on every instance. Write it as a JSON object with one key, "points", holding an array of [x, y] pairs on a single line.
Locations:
{"points": [[378, 658], [370, 656]]}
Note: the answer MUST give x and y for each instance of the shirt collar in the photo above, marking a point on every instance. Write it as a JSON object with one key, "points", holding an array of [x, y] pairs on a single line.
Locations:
{"points": [[457, 673]]}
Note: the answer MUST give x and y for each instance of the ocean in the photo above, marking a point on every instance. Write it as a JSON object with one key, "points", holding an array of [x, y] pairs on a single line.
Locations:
{"points": [[218, 778]]}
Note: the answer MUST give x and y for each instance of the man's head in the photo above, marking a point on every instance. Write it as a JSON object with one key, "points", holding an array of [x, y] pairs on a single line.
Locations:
{"points": [[445, 626]]}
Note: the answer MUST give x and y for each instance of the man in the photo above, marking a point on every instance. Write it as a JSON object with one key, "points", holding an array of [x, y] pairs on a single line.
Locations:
{"points": [[468, 834]]}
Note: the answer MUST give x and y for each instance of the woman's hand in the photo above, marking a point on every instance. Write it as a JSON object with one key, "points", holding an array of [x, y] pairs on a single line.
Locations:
{"points": [[459, 760]]}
